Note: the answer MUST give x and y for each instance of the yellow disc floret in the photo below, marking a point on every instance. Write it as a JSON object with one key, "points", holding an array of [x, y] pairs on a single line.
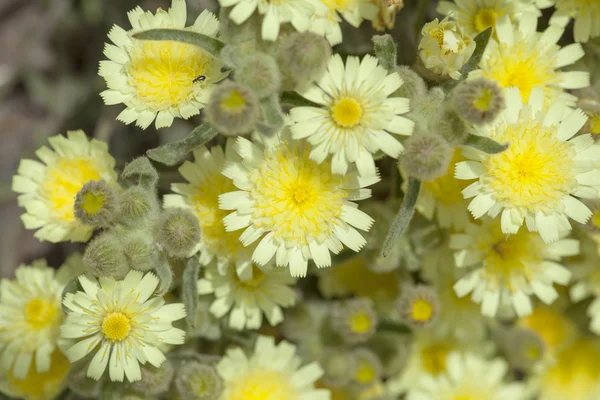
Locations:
{"points": [[41, 313], [262, 384], [422, 310], [347, 112], [116, 326], [361, 322], [164, 74]]}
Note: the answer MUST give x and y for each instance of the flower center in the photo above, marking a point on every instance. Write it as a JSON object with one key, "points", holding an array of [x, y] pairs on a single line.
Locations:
{"points": [[536, 171], [433, 358], [339, 5], [485, 18], [40, 313], [92, 203], [40, 385], [295, 197], [347, 112], [360, 322], [164, 73], [116, 326], [258, 277], [234, 103], [576, 372], [482, 103], [261, 385], [365, 372], [523, 65], [63, 180], [421, 311]]}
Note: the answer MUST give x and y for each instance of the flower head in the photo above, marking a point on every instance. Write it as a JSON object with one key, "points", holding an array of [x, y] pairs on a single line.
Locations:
{"points": [[267, 292], [527, 59], [586, 15], [30, 317], [159, 79], [507, 269], [303, 209], [537, 178], [201, 195], [445, 47], [469, 376], [48, 188], [357, 118], [327, 18], [354, 320], [124, 320], [272, 372], [418, 306], [275, 12]]}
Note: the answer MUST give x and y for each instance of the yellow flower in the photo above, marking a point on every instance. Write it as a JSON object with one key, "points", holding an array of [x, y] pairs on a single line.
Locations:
{"points": [[48, 188]]}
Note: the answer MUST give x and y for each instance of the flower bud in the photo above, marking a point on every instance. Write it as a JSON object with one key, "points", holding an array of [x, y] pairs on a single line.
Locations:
{"points": [[140, 250], [155, 381], [233, 109], [591, 108], [81, 385], [418, 305], [452, 128], [232, 33], [524, 348], [197, 381], [425, 110], [368, 368], [425, 156], [96, 204], [178, 232], [478, 101], [302, 58], [413, 87], [137, 204], [104, 256], [355, 320], [260, 73], [445, 47], [339, 367]]}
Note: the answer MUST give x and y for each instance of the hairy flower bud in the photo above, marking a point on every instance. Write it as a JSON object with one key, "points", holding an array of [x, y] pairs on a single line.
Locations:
{"points": [[104, 256], [524, 348], [155, 381], [478, 101], [452, 127], [136, 204], [81, 385], [339, 367], [197, 381], [233, 109], [260, 73], [426, 109], [178, 232], [302, 58], [140, 250], [413, 87], [425, 156], [96, 204]]}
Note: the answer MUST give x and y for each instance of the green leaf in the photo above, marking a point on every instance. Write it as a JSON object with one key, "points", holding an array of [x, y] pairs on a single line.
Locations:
{"points": [[72, 286], [173, 153], [293, 99], [486, 145], [165, 275], [405, 214], [142, 170], [211, 45], [190, 290], [385, 51]]}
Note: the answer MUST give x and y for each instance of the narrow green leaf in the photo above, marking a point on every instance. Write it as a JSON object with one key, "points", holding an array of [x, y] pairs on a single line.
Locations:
{"points": [[293, 99], [165, 275], [72, 286], [174, 153], [486, 145], [211, 45], [385, 51], [405, 214], [190, 290], [142, 171], [393, 327]]}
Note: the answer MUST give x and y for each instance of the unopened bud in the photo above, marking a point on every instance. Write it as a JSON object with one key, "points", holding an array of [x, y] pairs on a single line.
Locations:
{"points": [[425, 109], [413, 87], [233, 109], [524, 348], [425, 156], [197, 381], [478, 101], [178, 232], [339, 367], [136, 204], [302, 58], [355, 321], [104, 257], [591, 108], [155, 381], [96, 204], [418, 305], [81, 385], [452, 127], [260, 73], [140, 250]]}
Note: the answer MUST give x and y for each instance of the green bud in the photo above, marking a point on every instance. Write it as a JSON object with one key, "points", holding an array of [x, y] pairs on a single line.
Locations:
{"points": [[478, 101], [142, 172], [426, 109], [136, 204], [385, 51], [81, 385], [425, 156], [452, 128], [524, 348], [104, 256], [197, 381], [260, 73], [155, 381], [302, 58], [233, 109], [178, 232], [413, 87], [96, 204], [232, 33], [140, 250], [339, 366]]}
